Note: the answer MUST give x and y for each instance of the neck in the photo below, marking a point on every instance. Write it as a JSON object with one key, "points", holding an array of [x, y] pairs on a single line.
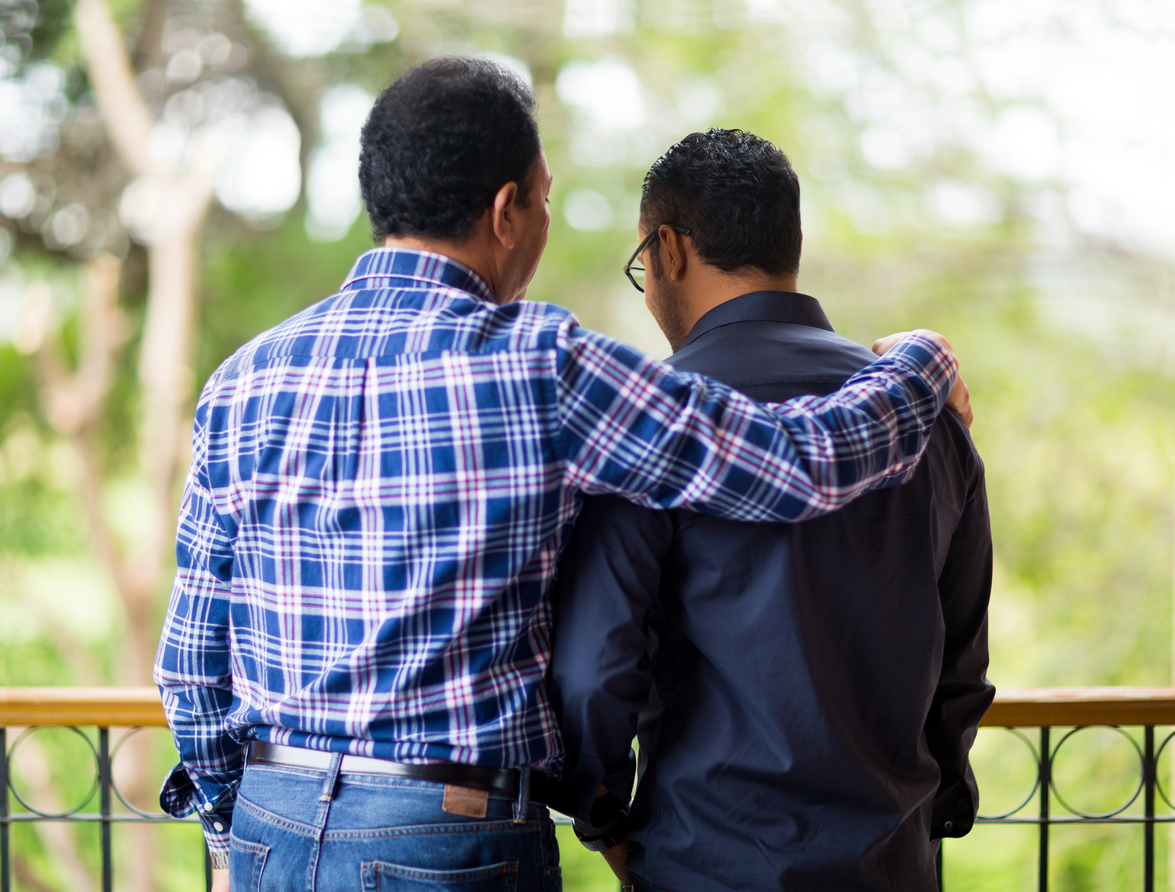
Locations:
{"points": [[469, 253], [713, 287]]}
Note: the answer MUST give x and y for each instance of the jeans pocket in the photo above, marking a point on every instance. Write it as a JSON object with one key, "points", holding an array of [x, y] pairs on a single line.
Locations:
{"points": [[380, 876], [245, 862]]}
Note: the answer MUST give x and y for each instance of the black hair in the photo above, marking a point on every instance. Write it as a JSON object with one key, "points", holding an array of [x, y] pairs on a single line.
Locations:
{"points": [[439, 144], [737, 195]]}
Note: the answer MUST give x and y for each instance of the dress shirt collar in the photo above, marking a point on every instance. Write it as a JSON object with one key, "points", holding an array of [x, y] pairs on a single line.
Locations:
{"points": [[402, 267], [762, 306]]}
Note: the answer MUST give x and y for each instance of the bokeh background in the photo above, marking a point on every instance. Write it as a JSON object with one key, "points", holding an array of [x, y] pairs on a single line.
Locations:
{"points": [[178, 175]]}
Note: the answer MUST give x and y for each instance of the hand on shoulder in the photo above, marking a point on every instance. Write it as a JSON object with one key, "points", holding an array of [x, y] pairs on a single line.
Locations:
{"points": [[960, 396]]}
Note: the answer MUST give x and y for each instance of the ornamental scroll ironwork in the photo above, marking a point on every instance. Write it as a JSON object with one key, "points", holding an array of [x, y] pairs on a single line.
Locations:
{"points": [[76, 812], [104, 785], [1047, 789], [1055, 788]]}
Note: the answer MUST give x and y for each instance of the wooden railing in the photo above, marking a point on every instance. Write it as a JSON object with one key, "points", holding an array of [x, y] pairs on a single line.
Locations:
{"points": [[1081, 707], [1013, 708], [81, 707], [99, 708], [1044, 709]]}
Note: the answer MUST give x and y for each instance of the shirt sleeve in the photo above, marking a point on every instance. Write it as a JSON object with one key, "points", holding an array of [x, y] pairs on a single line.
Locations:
{"points": [[600, 675], [964, 693], [192, 666], [635, 427]]}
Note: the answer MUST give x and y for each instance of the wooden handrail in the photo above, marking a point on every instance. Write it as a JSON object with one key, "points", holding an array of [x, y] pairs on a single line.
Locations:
{"points": [[1018, 708], [1039, 707], [112, 707]]}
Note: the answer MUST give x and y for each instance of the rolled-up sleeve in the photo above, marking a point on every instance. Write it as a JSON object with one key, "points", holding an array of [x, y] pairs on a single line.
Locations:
{"points": [[635, 427]]}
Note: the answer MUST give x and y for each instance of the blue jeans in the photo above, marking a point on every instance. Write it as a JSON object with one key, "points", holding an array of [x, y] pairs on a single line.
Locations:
{"points": [[301, 830]]}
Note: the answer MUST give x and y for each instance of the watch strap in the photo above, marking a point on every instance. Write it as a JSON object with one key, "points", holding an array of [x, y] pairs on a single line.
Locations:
{"points": [[605, 841]]}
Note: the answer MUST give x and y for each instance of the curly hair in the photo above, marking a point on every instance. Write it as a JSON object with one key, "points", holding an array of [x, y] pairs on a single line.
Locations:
{"points": [[439, 144], [737, 195]]}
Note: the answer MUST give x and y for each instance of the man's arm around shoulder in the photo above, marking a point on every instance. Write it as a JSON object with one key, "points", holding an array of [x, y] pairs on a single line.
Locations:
{"points": [[636, 428]]}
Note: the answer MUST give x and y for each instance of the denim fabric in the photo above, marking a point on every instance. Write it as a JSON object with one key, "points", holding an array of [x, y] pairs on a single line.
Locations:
{"points": [[297, 829], [632, 883]]}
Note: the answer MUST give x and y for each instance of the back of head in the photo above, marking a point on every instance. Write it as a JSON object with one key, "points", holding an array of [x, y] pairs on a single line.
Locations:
{"points": [[439, 144], [737, 195]]}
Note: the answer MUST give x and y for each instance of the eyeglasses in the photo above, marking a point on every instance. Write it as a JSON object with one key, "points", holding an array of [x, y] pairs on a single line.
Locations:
{"points": [[634, 269]]}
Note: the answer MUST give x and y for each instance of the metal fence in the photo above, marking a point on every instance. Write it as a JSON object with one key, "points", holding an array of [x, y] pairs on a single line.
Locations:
{"points": [[1059, 716], [122, 711], [1056, 716]]}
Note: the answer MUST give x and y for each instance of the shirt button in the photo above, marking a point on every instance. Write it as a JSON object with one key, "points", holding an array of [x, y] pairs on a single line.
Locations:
{"points": [[218, 827], [948, 825], [207, 806]]}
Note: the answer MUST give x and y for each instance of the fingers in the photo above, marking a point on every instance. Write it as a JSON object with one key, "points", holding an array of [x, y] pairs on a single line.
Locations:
{"points": [[882, 345], [960, 397], [960, 400]]}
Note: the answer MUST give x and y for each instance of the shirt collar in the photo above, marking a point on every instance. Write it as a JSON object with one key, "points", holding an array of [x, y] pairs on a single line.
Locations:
{"points": [[762, 306], [401, 267]]}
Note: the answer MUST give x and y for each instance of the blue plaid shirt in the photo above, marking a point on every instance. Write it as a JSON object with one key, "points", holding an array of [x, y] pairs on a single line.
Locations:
{"points": [[380, 487]]}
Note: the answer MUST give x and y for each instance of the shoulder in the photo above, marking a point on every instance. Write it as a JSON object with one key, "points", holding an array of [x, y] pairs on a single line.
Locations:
{"points": [[528, 325], [951, 458], [298, 333], [757, 354], [582, 351]]}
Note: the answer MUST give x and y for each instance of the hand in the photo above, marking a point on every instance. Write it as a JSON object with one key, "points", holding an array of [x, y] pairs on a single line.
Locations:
{"points": [[220, 879], [959, 398], [615, 857]]}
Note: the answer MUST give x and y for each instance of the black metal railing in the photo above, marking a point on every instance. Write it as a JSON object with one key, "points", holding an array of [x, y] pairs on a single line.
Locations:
{"points": [[125, 712], [1140, 717], [1145, 717]]}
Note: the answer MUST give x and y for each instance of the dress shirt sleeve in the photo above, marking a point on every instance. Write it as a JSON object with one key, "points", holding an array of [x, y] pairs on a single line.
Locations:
{"points": [[964, 693], [635, 427], [600, 677], [192, 666]]}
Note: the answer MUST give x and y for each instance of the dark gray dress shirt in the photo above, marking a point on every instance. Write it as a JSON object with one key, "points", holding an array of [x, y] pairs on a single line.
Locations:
{"points": [[807, 693]]}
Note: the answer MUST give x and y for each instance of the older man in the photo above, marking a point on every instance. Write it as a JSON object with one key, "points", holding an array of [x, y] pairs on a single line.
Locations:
{"points": [[353, 658]]}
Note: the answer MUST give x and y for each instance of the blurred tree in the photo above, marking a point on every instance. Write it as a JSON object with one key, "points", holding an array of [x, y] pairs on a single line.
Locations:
{"points": [[175, 161], [165, 198]]}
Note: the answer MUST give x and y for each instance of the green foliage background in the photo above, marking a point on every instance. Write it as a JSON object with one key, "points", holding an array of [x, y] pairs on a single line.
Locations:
{"points": [[1075, 429]]}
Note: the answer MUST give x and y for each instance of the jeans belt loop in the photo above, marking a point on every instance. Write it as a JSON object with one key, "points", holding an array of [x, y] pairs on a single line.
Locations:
{"points": [[522, 805], [329, 784]]}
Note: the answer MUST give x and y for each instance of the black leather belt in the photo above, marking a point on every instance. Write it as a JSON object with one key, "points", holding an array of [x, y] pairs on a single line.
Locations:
{"points": [[478, 777]]}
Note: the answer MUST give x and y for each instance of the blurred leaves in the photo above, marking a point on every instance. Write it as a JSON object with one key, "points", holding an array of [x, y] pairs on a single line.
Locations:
{"points": [[910, 220], [54, 21]]}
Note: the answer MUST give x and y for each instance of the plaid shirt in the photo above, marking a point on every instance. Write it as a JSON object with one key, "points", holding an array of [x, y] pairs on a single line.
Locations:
{"points": [[380, 487]]}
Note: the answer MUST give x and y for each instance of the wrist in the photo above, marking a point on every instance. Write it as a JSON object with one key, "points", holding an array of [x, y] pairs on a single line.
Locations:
{"points": [[931, 361], [608, 824], [604, 841]]}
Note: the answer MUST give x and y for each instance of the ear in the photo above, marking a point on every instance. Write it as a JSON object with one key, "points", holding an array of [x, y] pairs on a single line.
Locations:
{"points": [[502, 214], [674, 258]]}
